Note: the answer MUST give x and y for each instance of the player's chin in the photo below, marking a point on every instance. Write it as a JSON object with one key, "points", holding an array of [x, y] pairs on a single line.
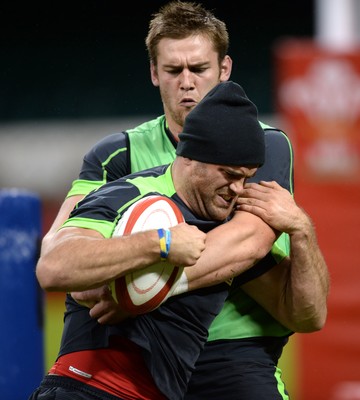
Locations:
{"points": [[223, 208], [221, 213]]}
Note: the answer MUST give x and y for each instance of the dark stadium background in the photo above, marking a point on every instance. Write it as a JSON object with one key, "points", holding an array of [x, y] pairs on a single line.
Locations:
{"points": [[73, 72], [87, 58]]}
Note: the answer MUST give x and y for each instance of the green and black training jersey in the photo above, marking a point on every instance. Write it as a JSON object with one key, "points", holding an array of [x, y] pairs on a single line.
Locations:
{"points": [[170, 337], [151, 144]]}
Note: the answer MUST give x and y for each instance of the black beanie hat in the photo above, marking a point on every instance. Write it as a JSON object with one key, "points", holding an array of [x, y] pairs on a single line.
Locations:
{"points": [[223, 129]]}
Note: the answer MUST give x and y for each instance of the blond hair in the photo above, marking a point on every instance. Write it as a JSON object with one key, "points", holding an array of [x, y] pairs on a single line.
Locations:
{"points": [[178, 20]]}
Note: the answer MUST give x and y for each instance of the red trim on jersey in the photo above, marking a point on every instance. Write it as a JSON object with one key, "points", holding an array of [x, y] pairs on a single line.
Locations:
{"points": [[119, 369]]}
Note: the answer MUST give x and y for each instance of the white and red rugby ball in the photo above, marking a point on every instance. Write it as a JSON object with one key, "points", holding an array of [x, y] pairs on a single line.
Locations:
{"points": [[144, 290]]}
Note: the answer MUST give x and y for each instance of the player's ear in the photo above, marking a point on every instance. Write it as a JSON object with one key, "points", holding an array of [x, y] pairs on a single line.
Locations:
{"points": [[185, 160], [188, 160], [225, 68], [154, 74]]}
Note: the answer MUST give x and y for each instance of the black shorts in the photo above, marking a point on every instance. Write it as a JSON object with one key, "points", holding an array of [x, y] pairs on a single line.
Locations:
{"points": [[239, 370], [55, 387]]}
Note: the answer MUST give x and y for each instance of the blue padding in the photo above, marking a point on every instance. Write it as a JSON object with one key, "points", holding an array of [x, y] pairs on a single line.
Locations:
{"points": [[21, 302]]}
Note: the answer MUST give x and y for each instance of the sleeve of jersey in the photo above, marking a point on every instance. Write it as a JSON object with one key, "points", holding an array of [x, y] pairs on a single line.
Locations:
{"points": [[102, 209], [106, 161], [278, 167]]}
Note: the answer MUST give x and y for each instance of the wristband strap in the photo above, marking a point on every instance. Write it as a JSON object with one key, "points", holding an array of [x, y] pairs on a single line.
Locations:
{"points": [[165, 241]]}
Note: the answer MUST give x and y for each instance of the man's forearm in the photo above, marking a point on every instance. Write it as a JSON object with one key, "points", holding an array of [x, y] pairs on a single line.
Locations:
{"points": [[295, 291], [80, 261], [308, 286], [231, 249]]}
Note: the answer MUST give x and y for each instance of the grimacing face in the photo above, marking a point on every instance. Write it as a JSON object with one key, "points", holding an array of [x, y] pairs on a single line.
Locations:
{"points": [[187, 69], [212, 190]]}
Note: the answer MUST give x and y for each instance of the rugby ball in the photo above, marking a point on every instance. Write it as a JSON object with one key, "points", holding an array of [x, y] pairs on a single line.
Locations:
{"points": [[144, 290]]}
